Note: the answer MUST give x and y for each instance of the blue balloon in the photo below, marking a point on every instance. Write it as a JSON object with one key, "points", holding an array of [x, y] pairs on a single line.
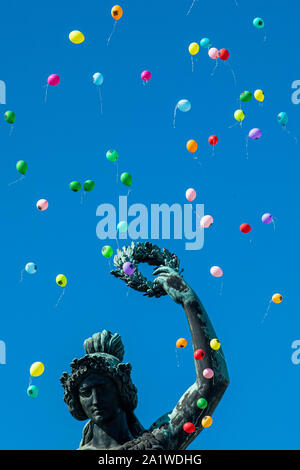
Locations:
{"points": [[31, 268], [282, 118], [184, 105], [98, 79], [32, 391], [205, 42]]}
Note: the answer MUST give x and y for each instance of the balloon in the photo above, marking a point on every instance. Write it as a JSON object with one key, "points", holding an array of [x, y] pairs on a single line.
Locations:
{"points": [[189, 427], [216, 271], [122, 226], [245, 228], [10, 117], [213, 53], [32, 391], [206, 421], [259, 95], [107, 251], [208, 373], [126, 179], [61, 280], [267, 218], [245, 96], [116, 12], [181, 343], [98, 78], [21, 167], [42, 204], [184, 105], [190, 194], [202, 403], [215, 344], [192, 146], [206, 43], [254, 134], [76, 37], [199, 354], [146, 75], [277, 298], [206, 221], [223, 54], [258, 23], [128, 268], [53, 80], [282, 118], [31, 268], [194, 48], [213, 140], [36, 369], [88, 185], [239, 115], [75, 186], [112, 155]]}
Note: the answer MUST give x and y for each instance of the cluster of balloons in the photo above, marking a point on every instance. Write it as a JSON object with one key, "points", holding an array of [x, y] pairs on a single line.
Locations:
{"points": [[88, 185], [36, 369]]}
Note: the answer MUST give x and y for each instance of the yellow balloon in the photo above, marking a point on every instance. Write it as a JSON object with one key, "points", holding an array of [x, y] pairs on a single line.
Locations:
{"points": [[37, 369], [239, 115], [76, 37], [194, 48], [259, 95], [206, 421], [61, 280], [277, 298], [215, 344]]}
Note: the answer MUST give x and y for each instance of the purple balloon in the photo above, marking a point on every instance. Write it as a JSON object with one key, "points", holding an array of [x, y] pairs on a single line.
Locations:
{"points": [[267, 218], [255, 133], [128, 268]]}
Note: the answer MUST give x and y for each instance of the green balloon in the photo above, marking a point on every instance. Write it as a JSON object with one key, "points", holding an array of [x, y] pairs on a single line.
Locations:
{"points": [[9, 117], [258, 23], [126, 179], [246, 96], [202, 403], [21, 167], [75, 186], [32, 391], [107, 251], [112, 155], [88, 185]]}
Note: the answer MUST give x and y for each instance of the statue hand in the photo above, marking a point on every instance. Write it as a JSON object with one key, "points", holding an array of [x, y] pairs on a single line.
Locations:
{"points": [[173, 284]]}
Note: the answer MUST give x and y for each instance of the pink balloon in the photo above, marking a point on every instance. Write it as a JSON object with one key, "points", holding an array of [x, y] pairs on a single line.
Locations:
{"points": [[213, 53], [53, 80], [42, 204], [216, 271], [208, 373], [190, 194], [146, 75], [206, 221]]}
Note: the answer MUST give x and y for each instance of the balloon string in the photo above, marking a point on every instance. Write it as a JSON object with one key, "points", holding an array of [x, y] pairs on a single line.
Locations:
{"points": [[177, 358], [267, 311], [273, 222], [221, 288], [233, 74], [117, 176], [16, 181], [11, 130], [191, 7], [60, 297], [113, 30], [100, 98], [247, 141], [129, 191], [233, 125], [22, 272], [174, 116], [192, 63], [215, 67], [46, 93], [290, 134], [265, 36]]}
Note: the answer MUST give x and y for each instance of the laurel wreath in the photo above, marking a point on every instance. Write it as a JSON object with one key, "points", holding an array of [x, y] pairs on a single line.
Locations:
{"points": [[143, 253]]}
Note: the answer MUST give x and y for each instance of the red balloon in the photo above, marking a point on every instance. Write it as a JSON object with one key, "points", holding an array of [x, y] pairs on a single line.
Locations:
{"points": [[199, 354], [245, 228], [189, 427], [213, 140], [223, 54]]}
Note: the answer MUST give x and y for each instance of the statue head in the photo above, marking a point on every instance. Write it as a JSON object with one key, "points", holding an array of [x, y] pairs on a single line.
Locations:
{"points": [[100, 386]]}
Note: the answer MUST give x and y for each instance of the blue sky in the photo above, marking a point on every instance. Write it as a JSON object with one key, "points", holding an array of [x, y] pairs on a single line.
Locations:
{"points": [[67, 138]]}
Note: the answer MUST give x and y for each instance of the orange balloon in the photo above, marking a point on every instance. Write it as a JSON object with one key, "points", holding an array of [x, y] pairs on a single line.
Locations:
{"points": [[181, 343], [192, 146], [117, 12]]}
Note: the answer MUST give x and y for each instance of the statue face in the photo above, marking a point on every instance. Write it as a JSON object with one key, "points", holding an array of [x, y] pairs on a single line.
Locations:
{"points": [[99, 398]]}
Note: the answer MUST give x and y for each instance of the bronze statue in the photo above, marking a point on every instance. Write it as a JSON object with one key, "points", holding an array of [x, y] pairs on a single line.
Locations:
{"points": [[100, 389]]}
